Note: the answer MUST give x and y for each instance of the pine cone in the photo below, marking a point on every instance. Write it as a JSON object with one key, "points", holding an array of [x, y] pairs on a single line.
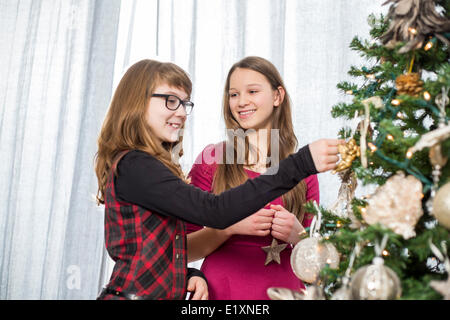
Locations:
{"points": [[409, 84]]}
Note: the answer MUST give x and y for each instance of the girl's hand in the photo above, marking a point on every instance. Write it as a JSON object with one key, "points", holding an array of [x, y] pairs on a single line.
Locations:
{"points": [[325, 153], [258, 224], [285, 225], [199, 287]]}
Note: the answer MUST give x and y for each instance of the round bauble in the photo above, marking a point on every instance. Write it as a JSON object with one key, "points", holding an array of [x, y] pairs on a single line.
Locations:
{"points": [[310, 256], [343, 293], [441, 205], [375, 282]]}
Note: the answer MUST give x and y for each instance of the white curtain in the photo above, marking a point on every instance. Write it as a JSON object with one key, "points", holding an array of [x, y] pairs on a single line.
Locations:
{"points": [[307, 40], [57, 62], [60, 61]]}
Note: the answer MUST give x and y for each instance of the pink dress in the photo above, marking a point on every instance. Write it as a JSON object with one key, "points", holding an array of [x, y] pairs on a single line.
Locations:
{"points": [[236, 270]]}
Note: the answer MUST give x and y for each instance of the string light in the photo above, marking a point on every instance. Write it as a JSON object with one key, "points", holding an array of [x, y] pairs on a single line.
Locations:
{"points": [[400, 115], [349, 92], [385, 253], [412, 30], [395, 102], [390, 137], [363, 209], [370, 76], [338, 224], [427, 95], [428, 46], [409, 154], [372, 147]]}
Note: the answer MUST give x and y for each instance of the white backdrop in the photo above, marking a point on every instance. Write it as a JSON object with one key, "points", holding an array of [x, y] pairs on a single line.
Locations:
{"points": [[64, 58]]}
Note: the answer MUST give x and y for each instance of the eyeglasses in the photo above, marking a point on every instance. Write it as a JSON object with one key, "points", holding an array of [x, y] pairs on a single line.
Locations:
{"points": [[173, 102]]}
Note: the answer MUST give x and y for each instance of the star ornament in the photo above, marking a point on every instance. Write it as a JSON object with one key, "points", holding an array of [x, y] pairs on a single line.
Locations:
{"points": [[443, 287], [273, 252]]}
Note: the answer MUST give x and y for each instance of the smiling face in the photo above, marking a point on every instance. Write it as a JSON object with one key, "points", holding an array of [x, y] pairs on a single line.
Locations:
{"points": [[252, 99], [164, 123]]}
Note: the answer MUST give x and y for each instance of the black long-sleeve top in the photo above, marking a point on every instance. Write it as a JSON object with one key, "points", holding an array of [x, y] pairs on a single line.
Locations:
{"points": [[144, 180]]}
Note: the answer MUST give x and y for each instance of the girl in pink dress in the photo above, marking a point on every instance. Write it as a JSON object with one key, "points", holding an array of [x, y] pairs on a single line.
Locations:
{"points": [[237, 263]]}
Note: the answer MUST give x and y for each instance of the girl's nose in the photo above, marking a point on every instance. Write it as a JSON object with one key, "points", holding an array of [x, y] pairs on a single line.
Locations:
{"points": [[181, 112], [243, 100]]}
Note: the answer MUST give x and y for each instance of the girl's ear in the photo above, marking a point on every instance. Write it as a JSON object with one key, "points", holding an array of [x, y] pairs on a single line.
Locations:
{"points": [[279, 96]]}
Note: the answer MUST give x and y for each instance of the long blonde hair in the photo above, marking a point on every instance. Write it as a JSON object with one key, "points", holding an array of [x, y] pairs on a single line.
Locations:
{"points": [[125, 126], [231, 175]]}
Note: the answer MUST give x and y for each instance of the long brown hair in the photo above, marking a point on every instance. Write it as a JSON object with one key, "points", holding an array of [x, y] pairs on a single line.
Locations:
{"points": [[125, 126], [231, 175]]}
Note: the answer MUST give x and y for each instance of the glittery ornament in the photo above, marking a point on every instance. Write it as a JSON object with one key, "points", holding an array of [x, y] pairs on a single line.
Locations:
{"points": [[313, 292], [273, 252], [375, 282], [348, 152], [284, 294], [441, 205], [310, 256], [344, 292], [397, 205], [342, 207], [409, 84], [436, 156]]}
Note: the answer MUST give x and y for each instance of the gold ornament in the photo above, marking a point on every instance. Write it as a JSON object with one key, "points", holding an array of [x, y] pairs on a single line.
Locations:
{"points": [[409, 84], [397, 205], [436, 157], [348, 152], [441, 205], [273, 252], [376, 282], [310, 256]]}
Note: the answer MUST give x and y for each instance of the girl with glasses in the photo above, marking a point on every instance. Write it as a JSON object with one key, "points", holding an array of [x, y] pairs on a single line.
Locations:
{"points": [[238, 263], [147, 200]]}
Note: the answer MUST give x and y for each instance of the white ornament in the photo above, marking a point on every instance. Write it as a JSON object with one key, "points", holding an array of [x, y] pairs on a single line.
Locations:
{"points": [[310, 256], [375, 282], [441, 205], [397, 205]]}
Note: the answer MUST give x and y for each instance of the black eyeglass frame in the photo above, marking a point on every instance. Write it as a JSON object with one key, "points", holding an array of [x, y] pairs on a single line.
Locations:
{"points": [[185, 104]]}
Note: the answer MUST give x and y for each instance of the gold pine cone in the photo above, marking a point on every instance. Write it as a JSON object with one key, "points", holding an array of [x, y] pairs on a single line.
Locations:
{"points": [[409, 84]]}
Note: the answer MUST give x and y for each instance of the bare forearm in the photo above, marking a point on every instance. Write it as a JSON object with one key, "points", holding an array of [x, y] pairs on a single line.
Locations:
{"points": [[203, 242]]}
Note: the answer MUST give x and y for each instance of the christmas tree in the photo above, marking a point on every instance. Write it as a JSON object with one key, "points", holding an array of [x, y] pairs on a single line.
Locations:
{"points": [[391, 244]]}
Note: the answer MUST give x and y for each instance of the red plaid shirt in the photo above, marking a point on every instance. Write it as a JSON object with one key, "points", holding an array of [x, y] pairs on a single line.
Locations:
{"points": [[149, 250]]}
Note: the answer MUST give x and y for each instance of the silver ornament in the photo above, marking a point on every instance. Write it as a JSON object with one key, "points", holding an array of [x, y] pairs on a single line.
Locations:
{"points": [[310, 256], [344, 292], [441, 205], [375, 282], [284, 294], [314, 292]]}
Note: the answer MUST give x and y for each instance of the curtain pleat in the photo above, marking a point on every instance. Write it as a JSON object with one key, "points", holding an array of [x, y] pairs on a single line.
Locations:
{"points": [[59, 58]]}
